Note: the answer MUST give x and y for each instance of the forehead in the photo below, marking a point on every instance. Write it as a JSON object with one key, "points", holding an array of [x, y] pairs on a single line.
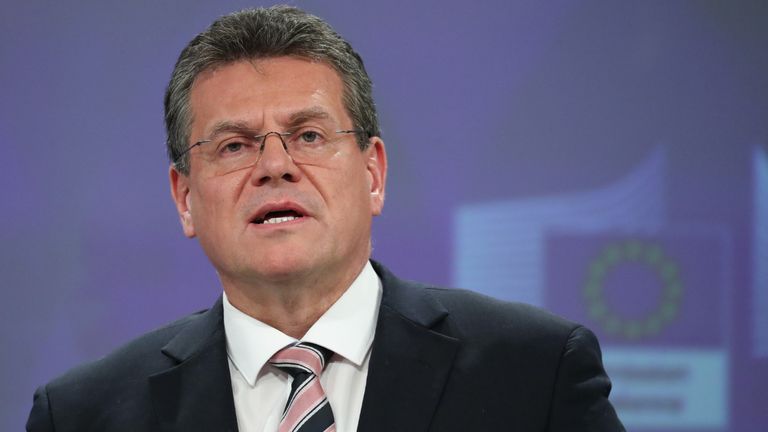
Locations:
{"points": [[265, 92]]}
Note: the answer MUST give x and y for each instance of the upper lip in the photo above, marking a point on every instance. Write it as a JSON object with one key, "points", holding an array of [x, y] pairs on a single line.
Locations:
{"points": [[274, 206]]}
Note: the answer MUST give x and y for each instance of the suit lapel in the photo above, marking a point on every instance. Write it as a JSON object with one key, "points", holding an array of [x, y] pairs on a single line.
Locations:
{"points": [[196, 394], [410, 362]]}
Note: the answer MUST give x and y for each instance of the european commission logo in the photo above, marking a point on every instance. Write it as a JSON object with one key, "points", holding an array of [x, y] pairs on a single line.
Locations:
{"points": [[630, 257]]}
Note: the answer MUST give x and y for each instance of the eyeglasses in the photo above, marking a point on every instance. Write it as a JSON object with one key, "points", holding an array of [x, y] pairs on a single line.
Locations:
{"points": [[230, 152]]}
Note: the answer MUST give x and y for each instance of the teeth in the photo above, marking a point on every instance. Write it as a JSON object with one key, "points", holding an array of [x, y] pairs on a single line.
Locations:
{"points": [[278, 220]]}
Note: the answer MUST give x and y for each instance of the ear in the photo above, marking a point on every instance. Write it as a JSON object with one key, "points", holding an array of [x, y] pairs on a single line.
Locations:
{"points": [[376, 163], [181, 197]]}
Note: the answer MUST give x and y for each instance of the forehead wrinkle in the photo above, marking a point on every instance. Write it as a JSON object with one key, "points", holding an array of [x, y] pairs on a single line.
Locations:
{"points": [[294, 119], [307, 114], [230, 126]]}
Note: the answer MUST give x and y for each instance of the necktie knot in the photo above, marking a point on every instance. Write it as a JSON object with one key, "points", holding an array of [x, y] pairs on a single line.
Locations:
{"points": [[302, 358]]}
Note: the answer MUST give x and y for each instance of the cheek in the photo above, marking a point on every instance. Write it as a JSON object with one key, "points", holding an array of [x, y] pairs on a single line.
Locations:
{"points": [[210, 205], [349, 185], [356, 197]]}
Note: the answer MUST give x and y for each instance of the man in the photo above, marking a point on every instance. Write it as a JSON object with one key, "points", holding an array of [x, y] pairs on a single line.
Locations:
{"points": [[277, 169]]}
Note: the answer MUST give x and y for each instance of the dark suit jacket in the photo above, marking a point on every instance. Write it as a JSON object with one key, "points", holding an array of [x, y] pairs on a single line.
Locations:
{"points": [[442, 360]]}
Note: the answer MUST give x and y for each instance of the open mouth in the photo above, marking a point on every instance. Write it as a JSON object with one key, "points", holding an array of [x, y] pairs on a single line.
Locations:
{"points": [[277, 217]]}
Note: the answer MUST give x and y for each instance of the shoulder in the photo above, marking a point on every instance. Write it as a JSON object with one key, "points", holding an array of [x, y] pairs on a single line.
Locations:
{"points": [[466, 314], [558, 362], [111, 389], [475, 309], [486, 322], [128, 363]]}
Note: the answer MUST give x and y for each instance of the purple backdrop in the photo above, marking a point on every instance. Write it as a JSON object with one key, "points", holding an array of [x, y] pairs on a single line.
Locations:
{"points": [[530, 143]]}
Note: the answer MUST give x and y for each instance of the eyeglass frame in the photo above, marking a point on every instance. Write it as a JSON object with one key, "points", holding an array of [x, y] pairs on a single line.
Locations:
{"points": [[263, 137]]}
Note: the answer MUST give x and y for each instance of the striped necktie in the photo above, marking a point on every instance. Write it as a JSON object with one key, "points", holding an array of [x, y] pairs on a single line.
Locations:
{"points": [[307, 409]]}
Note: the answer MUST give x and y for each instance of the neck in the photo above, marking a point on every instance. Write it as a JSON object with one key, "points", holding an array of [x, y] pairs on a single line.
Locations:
{"points": [[291, 305]]}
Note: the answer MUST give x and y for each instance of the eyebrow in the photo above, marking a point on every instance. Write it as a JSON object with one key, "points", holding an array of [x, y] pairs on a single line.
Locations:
{"points": [[230, 126], [294, 119], [307, 114]]}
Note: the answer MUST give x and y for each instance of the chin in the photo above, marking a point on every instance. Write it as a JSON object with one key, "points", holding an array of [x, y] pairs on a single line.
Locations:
{"points": [[278, 267]]}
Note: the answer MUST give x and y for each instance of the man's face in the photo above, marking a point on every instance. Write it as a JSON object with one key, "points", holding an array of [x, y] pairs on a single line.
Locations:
{"points": [[334, 198]]}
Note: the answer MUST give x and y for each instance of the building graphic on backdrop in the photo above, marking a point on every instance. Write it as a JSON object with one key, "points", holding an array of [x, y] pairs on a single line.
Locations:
{"points": [[609, 258], [760, 253]]}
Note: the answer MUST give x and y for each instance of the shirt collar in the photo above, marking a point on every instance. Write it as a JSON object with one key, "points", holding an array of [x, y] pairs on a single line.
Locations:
{"points": [[346, 328]]}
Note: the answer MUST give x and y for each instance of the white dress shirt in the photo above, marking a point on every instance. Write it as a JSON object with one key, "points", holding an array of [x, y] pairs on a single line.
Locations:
{"points": [[347, 328]]}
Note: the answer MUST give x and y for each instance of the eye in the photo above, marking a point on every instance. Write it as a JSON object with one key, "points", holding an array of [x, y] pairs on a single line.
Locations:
{"points": [[235, 146], [309, 136], [232, 147], [307, 139]]}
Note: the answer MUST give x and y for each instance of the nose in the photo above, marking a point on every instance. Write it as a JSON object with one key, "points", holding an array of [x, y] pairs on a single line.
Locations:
{"points": [[275, 164]]}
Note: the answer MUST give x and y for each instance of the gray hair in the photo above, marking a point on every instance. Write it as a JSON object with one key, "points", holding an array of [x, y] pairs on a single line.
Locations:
{"points": [[265, 33]]}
